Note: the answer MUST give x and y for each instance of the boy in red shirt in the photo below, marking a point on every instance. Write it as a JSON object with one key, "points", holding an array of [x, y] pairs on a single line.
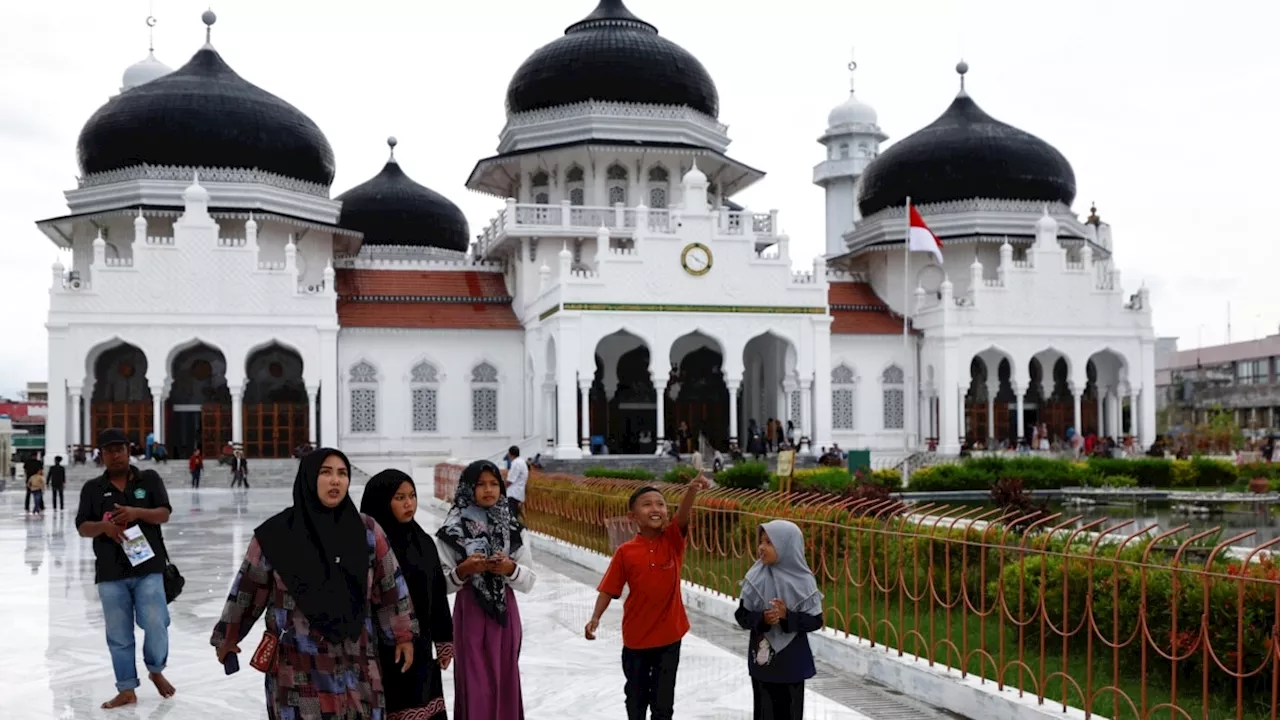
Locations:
{"points": [[653, 617]]}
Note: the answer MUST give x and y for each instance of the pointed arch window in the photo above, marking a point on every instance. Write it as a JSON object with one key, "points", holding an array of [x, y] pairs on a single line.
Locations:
{"points": [[893, 381], [659, 187], [424, 382], [842, 384], [575, 182], [844, 150], [484, 398], [363, 380], [616, 178], [540, 184]]}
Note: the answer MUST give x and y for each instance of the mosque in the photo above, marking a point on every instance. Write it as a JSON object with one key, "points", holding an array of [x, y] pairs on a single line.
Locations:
{"points": [[213, 287]]}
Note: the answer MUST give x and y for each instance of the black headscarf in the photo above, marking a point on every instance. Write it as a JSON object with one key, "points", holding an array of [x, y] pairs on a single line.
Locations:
{"points": [[321, 554], [413, 547], [469, 528]]}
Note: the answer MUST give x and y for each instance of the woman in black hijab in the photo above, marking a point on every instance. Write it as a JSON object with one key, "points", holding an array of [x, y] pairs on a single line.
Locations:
{"points": [[328, 576], [391, 498]]}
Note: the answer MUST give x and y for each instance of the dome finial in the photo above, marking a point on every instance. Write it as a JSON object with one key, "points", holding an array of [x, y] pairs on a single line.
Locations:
{"points": [[151, 29], [853, 67], [208, 17], [962, 68], [391, 143]]}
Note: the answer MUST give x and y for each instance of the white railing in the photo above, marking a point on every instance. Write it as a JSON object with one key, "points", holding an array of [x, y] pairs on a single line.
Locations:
{"points": [[586, 221], [232, 242], [270, 265], [119, 262], [163, 241], [1106, 279], [314, 289], [802, 278]]}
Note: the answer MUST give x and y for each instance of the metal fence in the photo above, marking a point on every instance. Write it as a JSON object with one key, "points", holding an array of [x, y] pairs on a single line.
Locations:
{"points": [[1108, 617]]}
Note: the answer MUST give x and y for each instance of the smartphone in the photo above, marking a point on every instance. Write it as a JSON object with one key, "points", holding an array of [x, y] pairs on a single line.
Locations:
{"points": [[231, 664]]}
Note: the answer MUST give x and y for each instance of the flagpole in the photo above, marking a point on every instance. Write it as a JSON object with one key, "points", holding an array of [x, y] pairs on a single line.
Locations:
{"points": [[906, 348]]}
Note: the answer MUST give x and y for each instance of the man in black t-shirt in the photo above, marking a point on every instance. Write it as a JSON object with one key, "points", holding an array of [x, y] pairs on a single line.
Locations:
{"points": [[57, 481], [122, 498]]}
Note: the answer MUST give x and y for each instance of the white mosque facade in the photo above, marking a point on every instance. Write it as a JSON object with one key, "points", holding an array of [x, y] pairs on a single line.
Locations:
{"points": [[214, 290]]}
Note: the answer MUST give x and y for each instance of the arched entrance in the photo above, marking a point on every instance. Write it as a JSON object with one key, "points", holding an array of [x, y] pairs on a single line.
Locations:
{"points": [[198, 412], [121, 397], [275, 403], [623, 399], [991, 405], [769, 377], [697, 397]]}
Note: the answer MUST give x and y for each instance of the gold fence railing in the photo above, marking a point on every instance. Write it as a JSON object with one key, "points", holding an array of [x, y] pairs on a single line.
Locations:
{"points": [[1108, 617]]}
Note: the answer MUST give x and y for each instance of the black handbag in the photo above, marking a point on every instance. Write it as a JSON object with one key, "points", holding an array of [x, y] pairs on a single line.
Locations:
{"points": [[173, 581]]}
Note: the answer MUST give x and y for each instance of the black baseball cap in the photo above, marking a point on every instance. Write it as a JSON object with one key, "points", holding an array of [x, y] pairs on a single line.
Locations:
{"points": [[112, 436]]}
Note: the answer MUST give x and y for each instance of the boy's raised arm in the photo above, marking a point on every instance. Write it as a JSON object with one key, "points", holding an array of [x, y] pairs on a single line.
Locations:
{"points": [[686, 504]]}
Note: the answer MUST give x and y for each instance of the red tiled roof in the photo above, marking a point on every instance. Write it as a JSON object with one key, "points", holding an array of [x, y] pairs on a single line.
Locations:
{"points": [[425, 299], [857, 310], [456, 316], [420, 283]]}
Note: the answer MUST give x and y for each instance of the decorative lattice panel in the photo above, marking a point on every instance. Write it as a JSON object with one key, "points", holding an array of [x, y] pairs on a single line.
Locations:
{"points": [[364, 410], [484, 410], [894, 409], [424, 410], [842, 409]]}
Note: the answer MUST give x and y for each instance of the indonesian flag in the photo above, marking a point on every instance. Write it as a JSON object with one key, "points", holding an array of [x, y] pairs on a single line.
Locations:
{"points": [[920, 238]]}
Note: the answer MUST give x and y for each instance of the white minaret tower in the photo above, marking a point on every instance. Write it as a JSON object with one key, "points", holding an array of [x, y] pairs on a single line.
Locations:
{"points": [[853, 140]]}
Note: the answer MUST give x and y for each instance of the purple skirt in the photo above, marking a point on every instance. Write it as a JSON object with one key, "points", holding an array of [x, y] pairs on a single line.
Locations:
{"points": [[486, 669]]}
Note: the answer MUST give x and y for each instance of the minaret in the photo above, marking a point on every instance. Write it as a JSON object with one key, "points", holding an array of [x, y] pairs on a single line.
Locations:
{"points": [[852, 140]]}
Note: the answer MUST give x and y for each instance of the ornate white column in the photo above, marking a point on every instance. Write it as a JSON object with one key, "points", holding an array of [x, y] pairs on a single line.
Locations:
{"points": [[821, 436], [661, 374], [566, 385], [1134, 414], [1076, 395], [331, 383], [237, 415], [55, 428], [1020, 396], [74, 393], [806, 411], [733, 384], [584, 388], [1102, 392], [993, 389], [157, 411], [313, 416]]}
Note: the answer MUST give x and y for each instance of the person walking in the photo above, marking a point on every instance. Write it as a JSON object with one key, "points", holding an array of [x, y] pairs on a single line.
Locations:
{"points": [[35, 485], [57, 482], [239, 470], [517, 481], [195, 464], [391, 498], [332, 586], [125, 503]]}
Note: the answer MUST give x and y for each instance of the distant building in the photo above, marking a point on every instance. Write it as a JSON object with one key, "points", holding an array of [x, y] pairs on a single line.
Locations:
{"points": [[1242, 378]]}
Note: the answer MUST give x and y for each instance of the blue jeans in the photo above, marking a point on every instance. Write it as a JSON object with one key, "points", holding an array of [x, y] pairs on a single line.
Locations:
{"points": [[123, 601]]}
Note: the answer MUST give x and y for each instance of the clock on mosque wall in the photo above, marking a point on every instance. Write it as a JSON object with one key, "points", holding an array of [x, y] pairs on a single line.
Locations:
{"points": [[696, 259]]}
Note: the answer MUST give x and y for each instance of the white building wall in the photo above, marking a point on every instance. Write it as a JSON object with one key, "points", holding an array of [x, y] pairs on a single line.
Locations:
{"points": [[454, 353], [868, 356]]}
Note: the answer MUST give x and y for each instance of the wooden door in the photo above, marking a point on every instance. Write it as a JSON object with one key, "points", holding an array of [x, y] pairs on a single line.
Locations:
{"points": [[273, 430], [215, 428], [134, 418]]}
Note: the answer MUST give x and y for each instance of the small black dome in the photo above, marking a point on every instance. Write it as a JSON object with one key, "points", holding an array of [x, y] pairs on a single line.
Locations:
{"points": [[204, 115], [966, 154], [612, 55], [392, 209]]}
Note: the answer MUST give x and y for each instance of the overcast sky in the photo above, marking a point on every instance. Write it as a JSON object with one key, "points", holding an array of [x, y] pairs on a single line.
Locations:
{"points": [[1166, 110]]}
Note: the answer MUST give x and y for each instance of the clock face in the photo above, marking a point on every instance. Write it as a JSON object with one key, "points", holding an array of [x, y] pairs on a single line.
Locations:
{"points": [[696, 259]]}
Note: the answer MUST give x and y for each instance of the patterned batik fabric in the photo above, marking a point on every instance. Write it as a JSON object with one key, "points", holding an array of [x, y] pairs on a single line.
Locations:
{"points": [[314, 678]]}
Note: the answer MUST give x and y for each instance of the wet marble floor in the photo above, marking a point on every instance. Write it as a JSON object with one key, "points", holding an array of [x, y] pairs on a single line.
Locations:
{"points": [[54, 662]]}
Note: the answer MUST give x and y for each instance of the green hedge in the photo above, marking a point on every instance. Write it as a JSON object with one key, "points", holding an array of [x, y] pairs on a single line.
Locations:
{"points": [[1050, 474], [745, 476], [619, 473]]}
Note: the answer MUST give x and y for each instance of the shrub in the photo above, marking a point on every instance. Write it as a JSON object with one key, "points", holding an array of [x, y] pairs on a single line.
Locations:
{"points": [[886, 477], [745, 476], [1213, 473], [619, 473], [1249, 471], [829, 480], [1182, 474], [680, 475]]}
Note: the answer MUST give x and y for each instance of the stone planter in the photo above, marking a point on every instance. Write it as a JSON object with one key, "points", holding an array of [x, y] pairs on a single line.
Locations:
{"points": [[1259, 485]]}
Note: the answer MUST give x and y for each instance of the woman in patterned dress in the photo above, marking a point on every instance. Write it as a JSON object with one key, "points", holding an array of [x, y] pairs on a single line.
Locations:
{"points": [[326, 577], [391, 499], [484, 556]]}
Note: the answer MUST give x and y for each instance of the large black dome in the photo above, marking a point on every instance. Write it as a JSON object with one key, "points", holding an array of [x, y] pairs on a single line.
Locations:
{"points": [[204, 115], [966, 154], [391, 209], [612, 55]]}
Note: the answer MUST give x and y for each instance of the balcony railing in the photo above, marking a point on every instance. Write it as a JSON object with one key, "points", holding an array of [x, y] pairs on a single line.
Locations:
{"points": [[522, 219]]}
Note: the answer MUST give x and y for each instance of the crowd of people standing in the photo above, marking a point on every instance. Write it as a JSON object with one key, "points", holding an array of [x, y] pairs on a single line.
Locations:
{"points": [[355, 600]]}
